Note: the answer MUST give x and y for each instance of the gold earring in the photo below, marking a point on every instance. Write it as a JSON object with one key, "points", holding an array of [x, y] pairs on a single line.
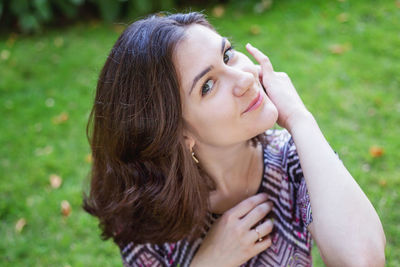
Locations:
{"points": [[194, 158]]}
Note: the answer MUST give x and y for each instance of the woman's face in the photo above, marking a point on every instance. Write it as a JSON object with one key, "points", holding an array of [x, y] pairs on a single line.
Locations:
{"points": [[223, 100]]}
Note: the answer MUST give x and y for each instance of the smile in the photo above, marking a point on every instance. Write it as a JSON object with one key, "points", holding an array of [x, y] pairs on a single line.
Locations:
{"points": [[255, 103]]}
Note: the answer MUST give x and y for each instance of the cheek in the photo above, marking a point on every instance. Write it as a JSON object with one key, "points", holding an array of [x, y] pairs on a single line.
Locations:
{"points": [[215, 116], [214, 121]]}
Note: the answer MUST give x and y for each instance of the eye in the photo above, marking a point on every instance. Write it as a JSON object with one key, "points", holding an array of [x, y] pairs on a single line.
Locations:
{"points": [[209, 84], [228, 54], [207, 87]]}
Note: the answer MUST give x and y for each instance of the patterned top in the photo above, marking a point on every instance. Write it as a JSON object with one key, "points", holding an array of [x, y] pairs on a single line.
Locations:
{"points": [[285, 185]]}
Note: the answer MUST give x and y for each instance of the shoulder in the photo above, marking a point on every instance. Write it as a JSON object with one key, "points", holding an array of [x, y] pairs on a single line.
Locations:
{"points": [[277, 139], [280, 147], [281, 151]]}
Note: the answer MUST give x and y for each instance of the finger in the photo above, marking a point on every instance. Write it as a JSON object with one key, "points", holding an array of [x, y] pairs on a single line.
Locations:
{"points": [[259, 71], [281, 74], [256, 214], [260, 76], [260, 57], [248, 204], [265, 228], [263, 245]]}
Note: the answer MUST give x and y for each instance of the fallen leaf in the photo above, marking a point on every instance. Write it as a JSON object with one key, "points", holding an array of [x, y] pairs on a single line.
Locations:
{"points": [[19, 226], [55, 181], [65, 208], [94, 23], [378, 101], [344, 150], [5, 54], [119, 28], [383, 182], [43, 151], [55, 58], [30, 201], [262, 6], [376, 151], [255, 30], [366, 167], [342, 17], [63, 117], [89, 158], [218, 11], [11, 39], [371, 112], [38, 127], [59, 41], [49, 102], [40, 46], [160, 14], [398, 3], [339, 48]]}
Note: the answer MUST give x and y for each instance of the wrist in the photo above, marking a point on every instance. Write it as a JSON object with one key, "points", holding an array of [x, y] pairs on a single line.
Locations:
{"points": [[302, 120]]}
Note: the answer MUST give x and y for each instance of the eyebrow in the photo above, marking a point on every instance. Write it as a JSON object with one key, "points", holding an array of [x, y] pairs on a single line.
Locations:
{"points": [[205, 71]]}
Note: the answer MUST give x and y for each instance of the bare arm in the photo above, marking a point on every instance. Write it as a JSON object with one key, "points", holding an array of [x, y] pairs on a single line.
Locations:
{"points": [[345, 225]]}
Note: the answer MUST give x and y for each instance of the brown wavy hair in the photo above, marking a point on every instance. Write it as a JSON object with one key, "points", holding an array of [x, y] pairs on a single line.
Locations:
{"points": [[145, 186]]}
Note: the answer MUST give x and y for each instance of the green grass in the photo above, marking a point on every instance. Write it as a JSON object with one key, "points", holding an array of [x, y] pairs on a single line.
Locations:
{"points": [[354, 96]]}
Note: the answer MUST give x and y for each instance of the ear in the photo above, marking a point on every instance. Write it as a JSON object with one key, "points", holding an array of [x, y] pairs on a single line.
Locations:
{"points": [[189, 141]]}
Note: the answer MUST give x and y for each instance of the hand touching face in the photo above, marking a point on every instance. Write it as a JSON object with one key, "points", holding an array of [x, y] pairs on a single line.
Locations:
{"points": [[280, 89]]}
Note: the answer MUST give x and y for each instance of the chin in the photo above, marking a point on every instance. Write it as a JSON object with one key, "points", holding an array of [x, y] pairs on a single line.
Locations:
{"points": [[269, 116], [264, 120]]}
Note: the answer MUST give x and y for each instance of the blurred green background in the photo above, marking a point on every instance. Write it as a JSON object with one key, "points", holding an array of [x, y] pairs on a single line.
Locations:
{"points": [[342, 56]]}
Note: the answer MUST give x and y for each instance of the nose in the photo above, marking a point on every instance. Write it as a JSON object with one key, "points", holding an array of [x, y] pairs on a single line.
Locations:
{"points": [[243, 80]]}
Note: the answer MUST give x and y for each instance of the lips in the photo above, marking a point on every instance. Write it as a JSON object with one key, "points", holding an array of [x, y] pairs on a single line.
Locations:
{"points": [[255, 103]]}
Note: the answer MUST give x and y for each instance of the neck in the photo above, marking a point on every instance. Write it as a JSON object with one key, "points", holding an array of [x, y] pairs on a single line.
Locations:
{"points": [[229, 166]]}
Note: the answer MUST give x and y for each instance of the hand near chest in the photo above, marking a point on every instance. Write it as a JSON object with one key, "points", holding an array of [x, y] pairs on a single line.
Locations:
{"points": [[237, 236]]}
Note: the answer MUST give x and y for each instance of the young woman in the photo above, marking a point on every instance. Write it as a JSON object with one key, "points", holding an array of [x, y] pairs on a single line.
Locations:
{"points": [[187, 172]]}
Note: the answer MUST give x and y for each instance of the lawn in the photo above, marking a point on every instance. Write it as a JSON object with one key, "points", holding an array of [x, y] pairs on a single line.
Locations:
{"points": [[342, 56]]}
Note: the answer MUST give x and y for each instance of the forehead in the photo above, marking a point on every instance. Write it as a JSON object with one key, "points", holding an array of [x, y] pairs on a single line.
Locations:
{"points": [[196, 51], [200, 33]]}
